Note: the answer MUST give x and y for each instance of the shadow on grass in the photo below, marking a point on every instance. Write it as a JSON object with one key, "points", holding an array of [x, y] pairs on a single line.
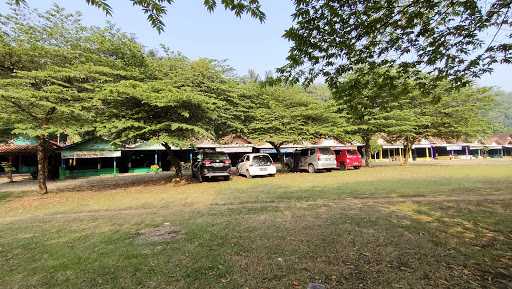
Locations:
{"points": [[386, 189], [8, 196]]}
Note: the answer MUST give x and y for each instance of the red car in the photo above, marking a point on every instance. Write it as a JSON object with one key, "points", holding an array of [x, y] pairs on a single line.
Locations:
{"points": [[348, 158]]}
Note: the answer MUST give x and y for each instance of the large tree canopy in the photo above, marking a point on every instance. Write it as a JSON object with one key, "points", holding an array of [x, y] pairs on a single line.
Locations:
{"points": [[365, 97], [288, 114], [406, 109], [155, 10], [455, 39], [51, 67]]}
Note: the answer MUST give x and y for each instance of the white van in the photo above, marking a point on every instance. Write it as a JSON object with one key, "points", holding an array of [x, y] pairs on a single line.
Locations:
{"points": [[256, 165]]}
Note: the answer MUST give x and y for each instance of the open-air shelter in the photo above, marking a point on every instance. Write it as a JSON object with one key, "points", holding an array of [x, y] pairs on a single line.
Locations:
{"points": [[92, 157]]}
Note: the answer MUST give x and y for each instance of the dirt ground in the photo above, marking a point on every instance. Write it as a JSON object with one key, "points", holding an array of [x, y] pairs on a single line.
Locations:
{"points": [[24, 183]]}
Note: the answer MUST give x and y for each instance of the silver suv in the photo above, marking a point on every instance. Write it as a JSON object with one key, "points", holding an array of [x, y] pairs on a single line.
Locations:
{"points": [[312, 159]]}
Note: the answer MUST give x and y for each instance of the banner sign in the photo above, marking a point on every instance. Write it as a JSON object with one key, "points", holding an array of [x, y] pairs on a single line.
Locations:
{"points": [[454, 148], [234, 149], [273, 151], [89, 154]]}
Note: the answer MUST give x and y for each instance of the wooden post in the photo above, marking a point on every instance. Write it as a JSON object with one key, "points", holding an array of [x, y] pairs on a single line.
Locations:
{"points": [[61, 170], [426, 151], [115, 165], [156, 158], [380, 153], [410, 153]]}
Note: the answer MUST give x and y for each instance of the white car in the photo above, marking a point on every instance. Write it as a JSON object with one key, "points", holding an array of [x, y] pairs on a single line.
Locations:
{"points": [[256, 165]]}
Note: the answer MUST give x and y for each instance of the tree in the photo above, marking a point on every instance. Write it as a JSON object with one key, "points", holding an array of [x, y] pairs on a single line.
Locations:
{"points": [[43, 103], [182, 103], [157, 9], [287, 114], [51, 66], [446, 38], [364, 98], [9, 170], [464, 114], [410, 116], [444, 112], [501, 111]]}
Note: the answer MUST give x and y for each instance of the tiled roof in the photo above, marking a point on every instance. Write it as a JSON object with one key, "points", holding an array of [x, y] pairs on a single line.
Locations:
{"points": [[17, 148], [11, 148]]}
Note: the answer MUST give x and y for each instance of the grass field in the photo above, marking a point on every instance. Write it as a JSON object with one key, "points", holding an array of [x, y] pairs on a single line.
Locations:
{"points": [[387, 227]]}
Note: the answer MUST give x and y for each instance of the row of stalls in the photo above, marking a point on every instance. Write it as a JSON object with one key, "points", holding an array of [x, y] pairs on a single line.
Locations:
{"points": [[436, 149], [96, 157]]}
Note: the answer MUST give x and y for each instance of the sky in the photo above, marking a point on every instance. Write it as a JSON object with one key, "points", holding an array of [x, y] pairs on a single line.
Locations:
{"points": [[244, 42]]}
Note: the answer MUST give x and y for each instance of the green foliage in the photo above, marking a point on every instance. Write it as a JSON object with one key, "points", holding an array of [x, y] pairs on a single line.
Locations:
{"points": [[182, 103], [156, 10], [366, 97], [375, 147], [463, 114], [50, 101], [287, 114], [405, 108], [8, 167], [456, 39], [501, 112]]}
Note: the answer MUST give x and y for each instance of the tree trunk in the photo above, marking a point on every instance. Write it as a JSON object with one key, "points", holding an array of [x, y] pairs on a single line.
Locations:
{"points": [[42, 165], [8, 170], [367, 152], [9, 176], [407, 153], [277, 147], [174, 161]]}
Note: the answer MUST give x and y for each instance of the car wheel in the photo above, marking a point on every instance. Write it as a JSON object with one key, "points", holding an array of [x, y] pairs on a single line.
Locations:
{"points": [[343, 167], [311, 168], [356, 168], [247, 174], [227, 178]]}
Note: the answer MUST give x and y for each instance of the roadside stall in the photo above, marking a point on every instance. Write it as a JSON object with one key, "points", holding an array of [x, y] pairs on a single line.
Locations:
{"points": [[452, 151], [493, 150], [21, 154], [143, 158], [423, 150], [93, 157]]}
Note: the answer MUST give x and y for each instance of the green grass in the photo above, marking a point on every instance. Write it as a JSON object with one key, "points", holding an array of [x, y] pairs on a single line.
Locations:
{"points": [[387, 227]]}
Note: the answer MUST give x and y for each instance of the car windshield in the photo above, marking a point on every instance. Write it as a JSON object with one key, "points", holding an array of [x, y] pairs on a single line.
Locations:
{"points": [[326, 151], [352, 153], [215, 156], [262, 160]]}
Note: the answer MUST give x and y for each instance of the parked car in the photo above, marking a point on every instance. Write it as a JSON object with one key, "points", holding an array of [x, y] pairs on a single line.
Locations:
{"points": [[256, 165], [348, 158], [210, 164], [312, 159]]}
